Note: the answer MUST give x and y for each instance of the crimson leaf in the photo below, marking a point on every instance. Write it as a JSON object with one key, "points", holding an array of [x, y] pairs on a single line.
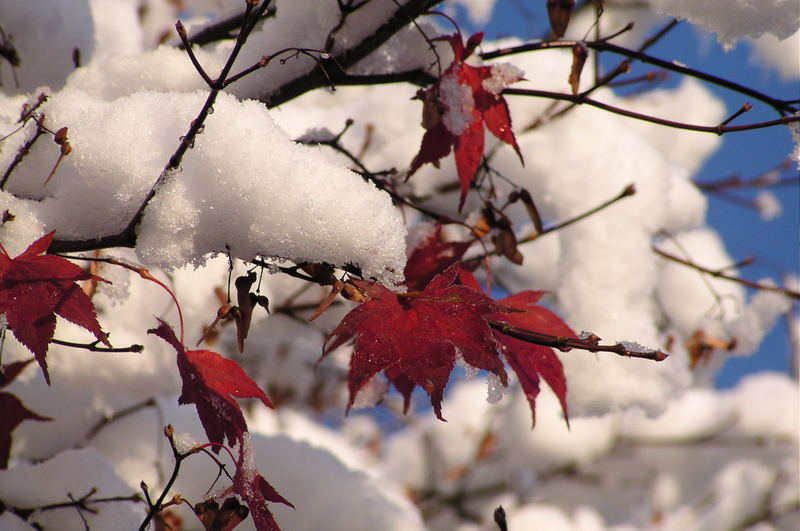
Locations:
{"points": [[531, 361], [430, 257], [13, 410], [415, 337], [456, 108], [210, 382]]}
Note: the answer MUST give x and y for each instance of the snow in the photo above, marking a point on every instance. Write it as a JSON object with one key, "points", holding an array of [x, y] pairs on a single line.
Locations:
{"points": [[64, 476], [649, 446], [767, 205], [794, 129], [63, 25], [503, 75], [781, 55], [733, 19], [458, 102], [344, 221]]}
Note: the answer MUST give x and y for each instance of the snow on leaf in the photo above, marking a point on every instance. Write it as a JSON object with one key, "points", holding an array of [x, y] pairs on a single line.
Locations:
{"points": [[13, 410], [255, 490], [458, 105], [34, 287], [210, 382], [432, 256], [414, 337], [529, 361]]}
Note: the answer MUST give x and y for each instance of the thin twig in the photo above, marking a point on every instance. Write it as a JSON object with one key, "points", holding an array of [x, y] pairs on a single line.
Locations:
{"points": [[567, 343], [582, 100], [92, 347], [122, 413], [782, 106], [721, 274], [626, 192]]}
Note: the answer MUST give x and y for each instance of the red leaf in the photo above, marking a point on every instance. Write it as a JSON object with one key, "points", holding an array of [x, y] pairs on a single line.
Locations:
{"points": [[436, 144], [431, 257], [532, 361], [210, 382], [255, 490], [34, 288], [416, 336], [468, 153], [13, 410], [489, 108]]}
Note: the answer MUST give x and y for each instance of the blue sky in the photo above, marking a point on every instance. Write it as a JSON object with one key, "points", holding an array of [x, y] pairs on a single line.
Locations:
{"points": [[774, 244]]}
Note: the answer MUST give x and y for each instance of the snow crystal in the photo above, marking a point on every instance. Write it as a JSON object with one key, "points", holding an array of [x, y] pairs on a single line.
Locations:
{"points": [[495, 390], [732, 19], [767, 205], [633, 346], [503, 75], [459, 104], [185, 442], [245, 188]]}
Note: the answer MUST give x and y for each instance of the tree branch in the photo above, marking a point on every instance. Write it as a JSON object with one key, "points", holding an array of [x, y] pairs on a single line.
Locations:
{"points": [[590, 343], [783, 107], [583, 100], [333, 70], [719, 273]]}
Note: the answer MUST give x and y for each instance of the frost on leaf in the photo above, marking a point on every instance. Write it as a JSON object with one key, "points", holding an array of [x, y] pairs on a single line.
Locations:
{"points": [[458, 106], [210, 382], [34, 288], [255, 490], [13, 410]]}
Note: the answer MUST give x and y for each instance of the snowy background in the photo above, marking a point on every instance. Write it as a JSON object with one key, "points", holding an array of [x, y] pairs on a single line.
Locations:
{"points": [[650, 445]]}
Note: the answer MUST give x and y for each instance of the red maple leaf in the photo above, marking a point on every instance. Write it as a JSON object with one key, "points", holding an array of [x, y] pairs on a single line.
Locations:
{"points": [[210, 382], [430, 257], [531, 361], [14, 411], [458, 105], [256, 491], [34, 287], [415, 337]]}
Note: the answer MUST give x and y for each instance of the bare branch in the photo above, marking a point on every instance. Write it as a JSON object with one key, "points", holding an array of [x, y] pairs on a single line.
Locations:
{"points": [[591, 343], [719, 273]]}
